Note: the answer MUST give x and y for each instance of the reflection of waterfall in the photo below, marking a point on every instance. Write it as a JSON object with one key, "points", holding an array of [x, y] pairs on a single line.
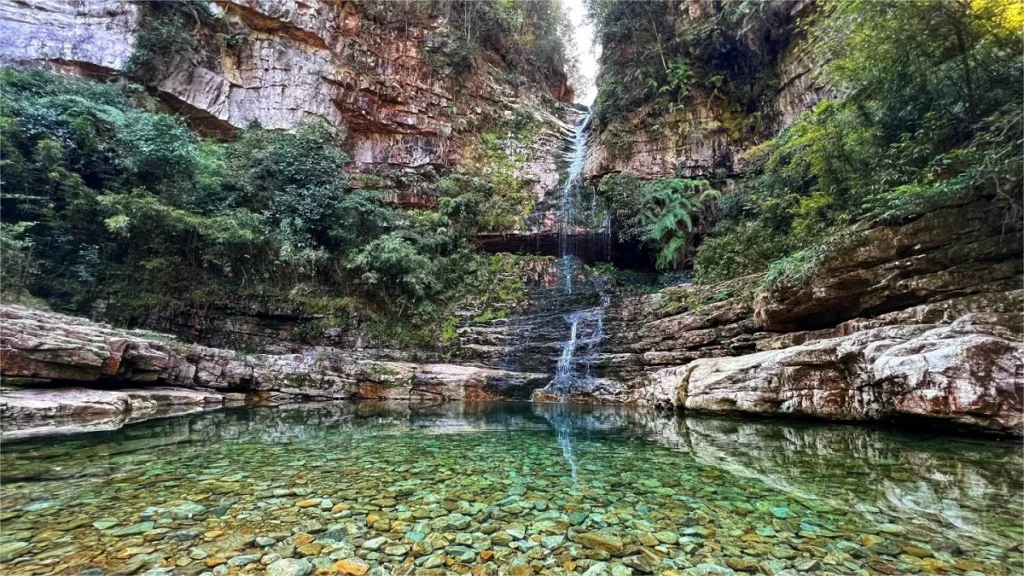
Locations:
{"points": [[564, 435], [565, 418]]}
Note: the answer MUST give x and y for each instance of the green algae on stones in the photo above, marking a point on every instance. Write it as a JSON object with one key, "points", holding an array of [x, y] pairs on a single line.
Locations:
{"points": [[488, 490]]}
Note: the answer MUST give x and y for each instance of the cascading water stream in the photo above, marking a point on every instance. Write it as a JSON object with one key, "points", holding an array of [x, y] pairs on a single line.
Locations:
{"points": [[586, 326], [568, 204]]}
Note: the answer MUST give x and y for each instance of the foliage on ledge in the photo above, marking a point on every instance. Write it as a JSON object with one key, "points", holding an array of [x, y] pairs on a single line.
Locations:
{"points": [[660, 54], [927, 111], [531, 38], [106, 201]]}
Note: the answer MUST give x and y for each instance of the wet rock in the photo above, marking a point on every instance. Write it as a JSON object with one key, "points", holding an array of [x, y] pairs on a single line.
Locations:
{"points": [[352, 567], [133, 530], [601, 541], [244, 560], [708, 570], [289, 567], [11, 550]]}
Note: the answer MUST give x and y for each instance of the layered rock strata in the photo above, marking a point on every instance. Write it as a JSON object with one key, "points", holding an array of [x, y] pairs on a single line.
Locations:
{"points": [[365, 69], [970, 373], [701, 139], [923, 318], [43, 349], [45, 411]]}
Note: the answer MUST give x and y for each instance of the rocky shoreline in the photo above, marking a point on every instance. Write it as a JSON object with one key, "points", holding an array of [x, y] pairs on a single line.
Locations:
{"points": [[63, 368], [64, 374]]}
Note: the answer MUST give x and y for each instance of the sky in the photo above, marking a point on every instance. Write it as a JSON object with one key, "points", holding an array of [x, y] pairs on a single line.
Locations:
{"points": [[584, 38]]}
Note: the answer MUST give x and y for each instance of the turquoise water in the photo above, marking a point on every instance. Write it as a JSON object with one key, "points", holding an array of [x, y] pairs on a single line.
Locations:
{"points": [[501, 489]]}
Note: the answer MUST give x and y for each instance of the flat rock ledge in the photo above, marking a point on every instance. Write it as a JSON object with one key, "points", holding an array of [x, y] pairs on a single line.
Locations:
{"points": [[46, 411], [969, 373], [57, 366]]}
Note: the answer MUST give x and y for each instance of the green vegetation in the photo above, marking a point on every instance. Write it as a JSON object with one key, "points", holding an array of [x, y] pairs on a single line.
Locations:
{"points": [[926, 110], [662, 56], [664, 213], [168, 31], [487, 194], [105, 200], [930, 112], [530, 37]]}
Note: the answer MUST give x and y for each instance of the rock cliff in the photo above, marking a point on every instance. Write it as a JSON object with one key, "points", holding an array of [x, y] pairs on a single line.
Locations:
{"points": [[43, 353], [703, 138], [365, 68], [918, 319]]}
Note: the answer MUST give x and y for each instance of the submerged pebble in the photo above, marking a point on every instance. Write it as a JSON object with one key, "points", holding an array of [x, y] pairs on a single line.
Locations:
{"points": [[379, 490]]}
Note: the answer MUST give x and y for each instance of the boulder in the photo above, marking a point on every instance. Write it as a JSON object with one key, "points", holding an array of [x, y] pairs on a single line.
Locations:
{"points": [[969, 373]]}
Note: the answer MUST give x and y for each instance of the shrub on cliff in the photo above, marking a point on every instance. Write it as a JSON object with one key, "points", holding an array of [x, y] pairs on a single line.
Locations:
{"points": [[928, 111], [105, 200]]}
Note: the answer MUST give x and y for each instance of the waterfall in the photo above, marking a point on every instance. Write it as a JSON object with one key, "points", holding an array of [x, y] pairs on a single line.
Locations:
{"points": [[573, 373], [569, 217]]}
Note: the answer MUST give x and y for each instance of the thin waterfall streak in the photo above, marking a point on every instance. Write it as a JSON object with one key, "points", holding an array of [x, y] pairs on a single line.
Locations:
{"points": [[574, 369]]}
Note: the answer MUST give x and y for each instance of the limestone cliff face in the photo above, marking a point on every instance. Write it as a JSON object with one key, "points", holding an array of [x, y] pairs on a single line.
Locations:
{"points": [[373, 76], [920, 319], [703, 138]]}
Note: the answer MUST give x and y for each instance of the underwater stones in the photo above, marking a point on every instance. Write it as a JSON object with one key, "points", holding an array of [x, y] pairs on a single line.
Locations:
{"points": [[742, 564], [351, 567], [308, 503], [520, 570], [182, 535], [708, 570], [133, 530], [666, 537], [187, 510], [892, 528], [374, 543], [502, 538], [11, 550], [728, 464], [422, 548], [311, 549], [806, 564], [289, 567], [602, 541], [433, 561], [552, 542]]}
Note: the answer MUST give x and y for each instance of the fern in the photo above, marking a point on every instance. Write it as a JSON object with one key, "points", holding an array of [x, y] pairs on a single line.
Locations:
{"points": [[668, 214]]}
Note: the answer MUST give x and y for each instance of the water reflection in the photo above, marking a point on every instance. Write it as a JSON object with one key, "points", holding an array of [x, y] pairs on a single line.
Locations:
{"points": [[962, 495]]}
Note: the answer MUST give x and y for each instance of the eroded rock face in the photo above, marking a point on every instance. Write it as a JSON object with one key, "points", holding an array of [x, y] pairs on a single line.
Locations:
{"points": [[970, 372], [375, 78], [921, 319], [955, 251], [696, 140], [44, 348], [88, 37], [44, 411]]}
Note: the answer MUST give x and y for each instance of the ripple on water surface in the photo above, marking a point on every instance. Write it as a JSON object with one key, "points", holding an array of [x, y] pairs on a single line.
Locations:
{"points": [[495, 489]]}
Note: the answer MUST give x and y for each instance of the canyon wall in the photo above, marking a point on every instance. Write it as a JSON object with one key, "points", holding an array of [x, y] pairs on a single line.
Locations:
{"points": [[382, 82], [917, 318], [921, 319], [701, 138]]}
